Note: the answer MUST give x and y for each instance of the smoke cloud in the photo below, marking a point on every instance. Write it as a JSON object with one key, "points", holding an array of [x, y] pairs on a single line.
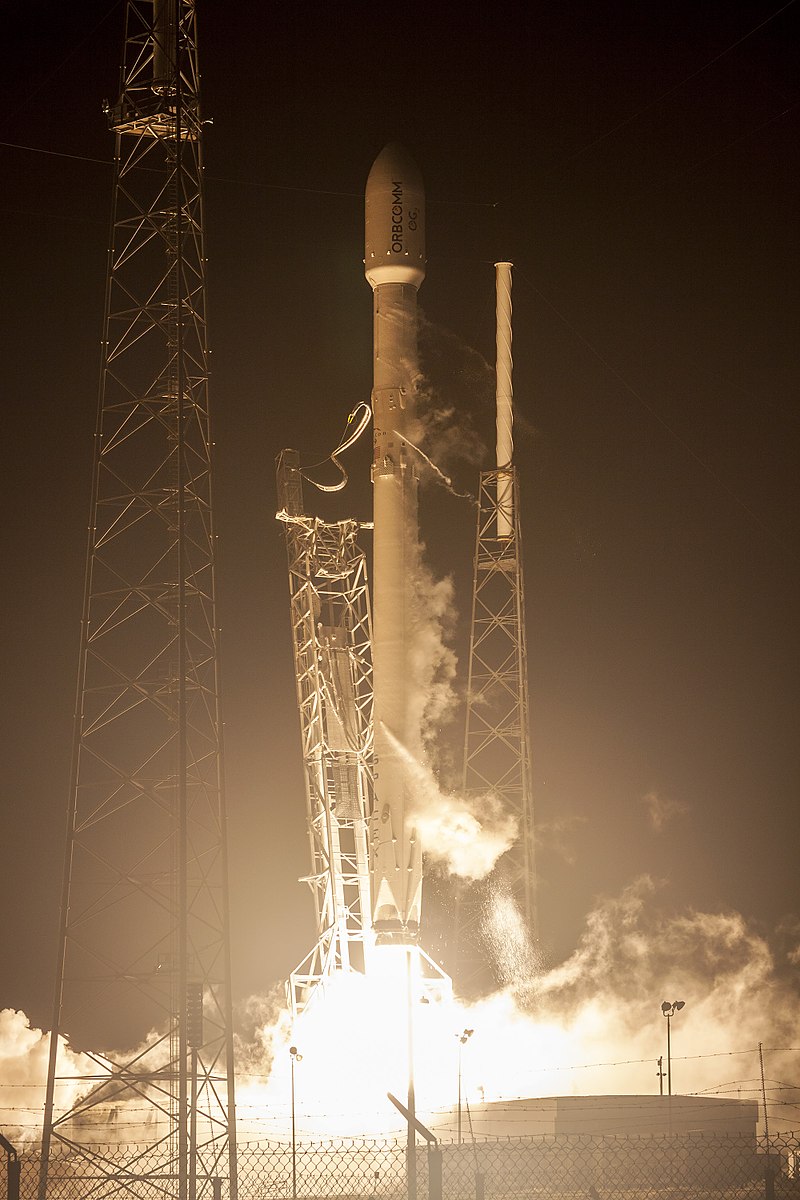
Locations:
{"points": [[590, 1025], [453, 386], [632, 956], [432, 661], [24, 1054], [264, 1028], [465, 836], [557, 836], [661, 810]]}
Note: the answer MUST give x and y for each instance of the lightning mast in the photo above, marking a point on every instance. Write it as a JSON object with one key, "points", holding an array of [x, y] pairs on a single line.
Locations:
{"points": [[497, 738], [143, 972]]}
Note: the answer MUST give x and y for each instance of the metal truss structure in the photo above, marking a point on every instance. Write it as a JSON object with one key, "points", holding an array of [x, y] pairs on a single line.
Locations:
{"points": [[497, 735], [330, 618], [143, 973]]}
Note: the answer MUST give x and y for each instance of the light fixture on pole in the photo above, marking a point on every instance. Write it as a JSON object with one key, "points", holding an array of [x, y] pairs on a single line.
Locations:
{"points": [[669, 1011], [295, 1057], [462, 1039]]}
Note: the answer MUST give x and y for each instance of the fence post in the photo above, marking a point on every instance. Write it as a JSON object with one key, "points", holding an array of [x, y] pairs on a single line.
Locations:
{"points": [[434, 1173], [769, 1182], [216, 1184], [480, 1185], [14, 1168]]}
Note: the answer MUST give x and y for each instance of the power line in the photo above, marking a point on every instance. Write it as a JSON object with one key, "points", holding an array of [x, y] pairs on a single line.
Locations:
{"points": [[106, 162], [253, 183], [701, 162], [670, 90]]}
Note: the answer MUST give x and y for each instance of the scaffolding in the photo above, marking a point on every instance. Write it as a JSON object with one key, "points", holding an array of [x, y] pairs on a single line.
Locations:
{"points": [[497, 756], [330, 619], [143, 971]]}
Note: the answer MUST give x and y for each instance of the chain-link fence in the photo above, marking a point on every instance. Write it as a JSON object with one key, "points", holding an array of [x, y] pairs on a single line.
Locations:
{"points": [[692, 1167]]}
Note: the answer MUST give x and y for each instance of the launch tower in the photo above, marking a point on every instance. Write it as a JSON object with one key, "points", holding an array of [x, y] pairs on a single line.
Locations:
{"points": [[331, 639], [143, 973]]}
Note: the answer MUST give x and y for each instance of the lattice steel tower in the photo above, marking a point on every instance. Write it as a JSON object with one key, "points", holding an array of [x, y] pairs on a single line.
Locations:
{"points": [[143, 977], [497, 737], [331, 639]]}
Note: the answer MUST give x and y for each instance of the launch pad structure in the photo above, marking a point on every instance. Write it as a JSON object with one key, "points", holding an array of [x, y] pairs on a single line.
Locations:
{"points": [[332, 646], [354, 683], [357, 739], [143, 973], [332, 643]]}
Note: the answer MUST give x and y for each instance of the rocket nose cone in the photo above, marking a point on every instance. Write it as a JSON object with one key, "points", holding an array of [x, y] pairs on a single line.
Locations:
{"points": [[394, 250], [395, 162]]}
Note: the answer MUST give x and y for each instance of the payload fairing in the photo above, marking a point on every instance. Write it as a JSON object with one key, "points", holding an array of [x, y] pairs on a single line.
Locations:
{"points": [[395, 267]]}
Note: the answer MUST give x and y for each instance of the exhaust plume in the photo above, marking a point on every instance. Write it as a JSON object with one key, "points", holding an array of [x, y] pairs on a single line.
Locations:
{"points": [[465, 835], [24, 1053]]}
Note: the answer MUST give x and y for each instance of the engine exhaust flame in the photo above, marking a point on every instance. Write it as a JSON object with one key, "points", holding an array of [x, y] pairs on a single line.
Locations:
{"points": [[588, 1026]]}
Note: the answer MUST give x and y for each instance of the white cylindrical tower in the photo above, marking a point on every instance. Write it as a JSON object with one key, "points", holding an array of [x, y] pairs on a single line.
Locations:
{"points": [[504, 401]]}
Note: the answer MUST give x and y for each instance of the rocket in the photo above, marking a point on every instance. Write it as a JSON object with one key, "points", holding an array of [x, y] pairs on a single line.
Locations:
{"points": [[394, 264]]}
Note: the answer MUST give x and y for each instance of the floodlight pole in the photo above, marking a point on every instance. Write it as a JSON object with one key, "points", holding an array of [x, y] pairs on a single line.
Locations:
{"points": [[669, 1011], [295, 1057], [460, 1044], [462, 1039], [411, 1144]]}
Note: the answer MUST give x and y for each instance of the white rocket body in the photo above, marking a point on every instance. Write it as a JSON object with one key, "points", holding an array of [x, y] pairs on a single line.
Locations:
{"points": [[395, 267]]}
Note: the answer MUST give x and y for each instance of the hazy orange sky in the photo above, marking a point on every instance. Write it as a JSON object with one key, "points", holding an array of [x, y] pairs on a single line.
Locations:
{"points": [[639, 166]]}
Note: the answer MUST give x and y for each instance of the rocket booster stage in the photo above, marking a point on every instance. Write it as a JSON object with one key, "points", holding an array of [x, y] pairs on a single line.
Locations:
{"points": [[395, 267]]}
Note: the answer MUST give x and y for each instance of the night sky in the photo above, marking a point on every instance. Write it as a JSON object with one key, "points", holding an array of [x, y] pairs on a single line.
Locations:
{"points": [[639, 165]]}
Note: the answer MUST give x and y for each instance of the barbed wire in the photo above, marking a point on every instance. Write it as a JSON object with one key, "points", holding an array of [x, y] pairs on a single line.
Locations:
{"points": [[538, 1070]]}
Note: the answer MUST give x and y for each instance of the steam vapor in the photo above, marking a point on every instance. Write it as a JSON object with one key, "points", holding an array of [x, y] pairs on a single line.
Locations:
{"points": [[591, 1025], [661, 810], [24, 1053], [458, 383], [464, 835], [517, 963]]}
